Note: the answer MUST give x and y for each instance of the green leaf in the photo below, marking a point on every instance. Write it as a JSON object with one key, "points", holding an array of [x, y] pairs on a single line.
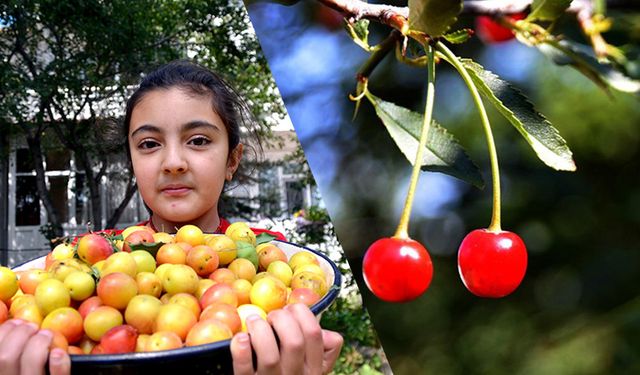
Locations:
{"points": [[361, 28], [582, 58], [547, 10], [459, 36], [95, 274], [264, 237], [443, 154], [247, 251], [515, 107], [433, 17], [151, 247]]}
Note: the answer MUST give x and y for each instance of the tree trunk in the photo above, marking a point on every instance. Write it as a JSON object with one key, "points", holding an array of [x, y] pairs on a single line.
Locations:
{"points": [[4, 192], [38, 160], [131, 190], [94, 187]]}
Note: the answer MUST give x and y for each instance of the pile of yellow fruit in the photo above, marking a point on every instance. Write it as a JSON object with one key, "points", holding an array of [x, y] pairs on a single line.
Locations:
{"points": [[148, 291]]}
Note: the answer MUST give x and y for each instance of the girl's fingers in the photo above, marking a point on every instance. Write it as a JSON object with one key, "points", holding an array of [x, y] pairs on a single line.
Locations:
{"points": [[59, 362], [312, 334], [35, 355], [8, 326], [264, 344], [12, 346], [241, 354], [292, 344], [332, 345]]}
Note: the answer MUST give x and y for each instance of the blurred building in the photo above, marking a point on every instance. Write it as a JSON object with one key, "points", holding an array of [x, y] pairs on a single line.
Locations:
{"points": [[25, 218]]}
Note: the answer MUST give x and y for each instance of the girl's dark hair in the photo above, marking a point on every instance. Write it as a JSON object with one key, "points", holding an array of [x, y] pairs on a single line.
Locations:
{"points": [[199, 81]]}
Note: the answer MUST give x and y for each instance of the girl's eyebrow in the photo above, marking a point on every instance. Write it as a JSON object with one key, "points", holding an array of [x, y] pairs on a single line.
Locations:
{"points": [[146, 128], [191, 125]]}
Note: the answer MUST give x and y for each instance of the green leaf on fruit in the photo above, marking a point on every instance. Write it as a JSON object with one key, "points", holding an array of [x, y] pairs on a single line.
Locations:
{"points": [[443, 152], [247, 251], [545, 140], [151, 247], [115, 248], [458, 36], [433, 17], [582, 58], [95, 274], [547, 10], [264, 237]]}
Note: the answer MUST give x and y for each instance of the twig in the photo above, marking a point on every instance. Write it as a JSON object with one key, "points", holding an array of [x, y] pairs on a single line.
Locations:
{"points": [[397, 16], [355, 10]]}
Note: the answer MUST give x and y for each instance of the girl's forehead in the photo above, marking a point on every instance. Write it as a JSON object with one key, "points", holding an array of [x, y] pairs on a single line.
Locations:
{"points": [[175, 94], [174, 107]]}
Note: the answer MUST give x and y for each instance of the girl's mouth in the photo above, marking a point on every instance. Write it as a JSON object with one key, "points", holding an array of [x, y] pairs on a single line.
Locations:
{"points": [[176, 190]]}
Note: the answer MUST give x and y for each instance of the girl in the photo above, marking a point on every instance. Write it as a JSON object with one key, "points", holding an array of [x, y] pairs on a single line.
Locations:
{"points": [[182, 128]]}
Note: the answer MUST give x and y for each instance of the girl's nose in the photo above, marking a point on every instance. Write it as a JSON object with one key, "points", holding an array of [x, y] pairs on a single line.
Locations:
{"points": [[174, 161]]}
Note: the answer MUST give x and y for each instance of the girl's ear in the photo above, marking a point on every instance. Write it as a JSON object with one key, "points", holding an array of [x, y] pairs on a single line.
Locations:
{"points": [[234, 161]]}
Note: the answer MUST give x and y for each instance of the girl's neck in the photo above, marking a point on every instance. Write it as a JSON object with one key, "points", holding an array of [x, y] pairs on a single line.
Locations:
{"points": [[209, 223]]}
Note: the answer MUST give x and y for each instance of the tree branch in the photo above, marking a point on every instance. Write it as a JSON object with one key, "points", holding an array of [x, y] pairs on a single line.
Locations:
{"points": [[397, 16], [355, 10]]}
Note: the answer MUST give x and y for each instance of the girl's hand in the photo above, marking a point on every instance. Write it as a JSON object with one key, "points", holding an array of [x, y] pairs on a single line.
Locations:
{"points": [[304, 347], [24, 350]]}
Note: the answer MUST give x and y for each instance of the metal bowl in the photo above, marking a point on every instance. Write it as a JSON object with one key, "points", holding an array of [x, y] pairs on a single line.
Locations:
{"points": [[214, 358]]}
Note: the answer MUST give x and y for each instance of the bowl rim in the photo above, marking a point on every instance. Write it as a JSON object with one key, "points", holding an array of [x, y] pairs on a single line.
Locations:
{"points": [[141, 357]]}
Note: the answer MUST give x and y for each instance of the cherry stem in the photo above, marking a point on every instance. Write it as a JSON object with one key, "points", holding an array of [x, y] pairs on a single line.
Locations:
{"points": [[378, 53], [493, 155], [403, 226]]}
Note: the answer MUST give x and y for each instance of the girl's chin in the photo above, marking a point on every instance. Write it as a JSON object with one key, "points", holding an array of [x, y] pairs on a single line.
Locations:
{"points": [[181, 214]]}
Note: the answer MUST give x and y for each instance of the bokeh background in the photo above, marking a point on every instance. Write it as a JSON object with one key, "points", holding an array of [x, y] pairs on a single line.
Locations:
{"points": [[578, 308]]}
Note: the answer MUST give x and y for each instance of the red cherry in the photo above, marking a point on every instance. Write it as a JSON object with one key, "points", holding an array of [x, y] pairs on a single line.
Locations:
{"points": [[397, 269], [491, 31], [492, 264]]}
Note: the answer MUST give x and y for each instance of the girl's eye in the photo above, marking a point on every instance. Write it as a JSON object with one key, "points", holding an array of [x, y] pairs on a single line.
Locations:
{"points": [[148, 144], [199, 141]]}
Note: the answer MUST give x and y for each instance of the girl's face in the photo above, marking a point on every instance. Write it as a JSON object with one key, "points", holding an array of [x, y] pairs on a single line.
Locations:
{"points": [[180, 154]]}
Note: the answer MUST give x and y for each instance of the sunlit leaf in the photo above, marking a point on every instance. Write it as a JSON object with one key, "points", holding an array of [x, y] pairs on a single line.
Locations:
{"points": [[443, 152], [433, 17], [547, 10], [545, 140]]}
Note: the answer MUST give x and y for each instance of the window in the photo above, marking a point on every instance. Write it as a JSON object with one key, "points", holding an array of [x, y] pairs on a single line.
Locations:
{"points": [[118, 175], [68, 189], [58, 160], [58, 191], [27, 200], [81, 199], [295, 197]]}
